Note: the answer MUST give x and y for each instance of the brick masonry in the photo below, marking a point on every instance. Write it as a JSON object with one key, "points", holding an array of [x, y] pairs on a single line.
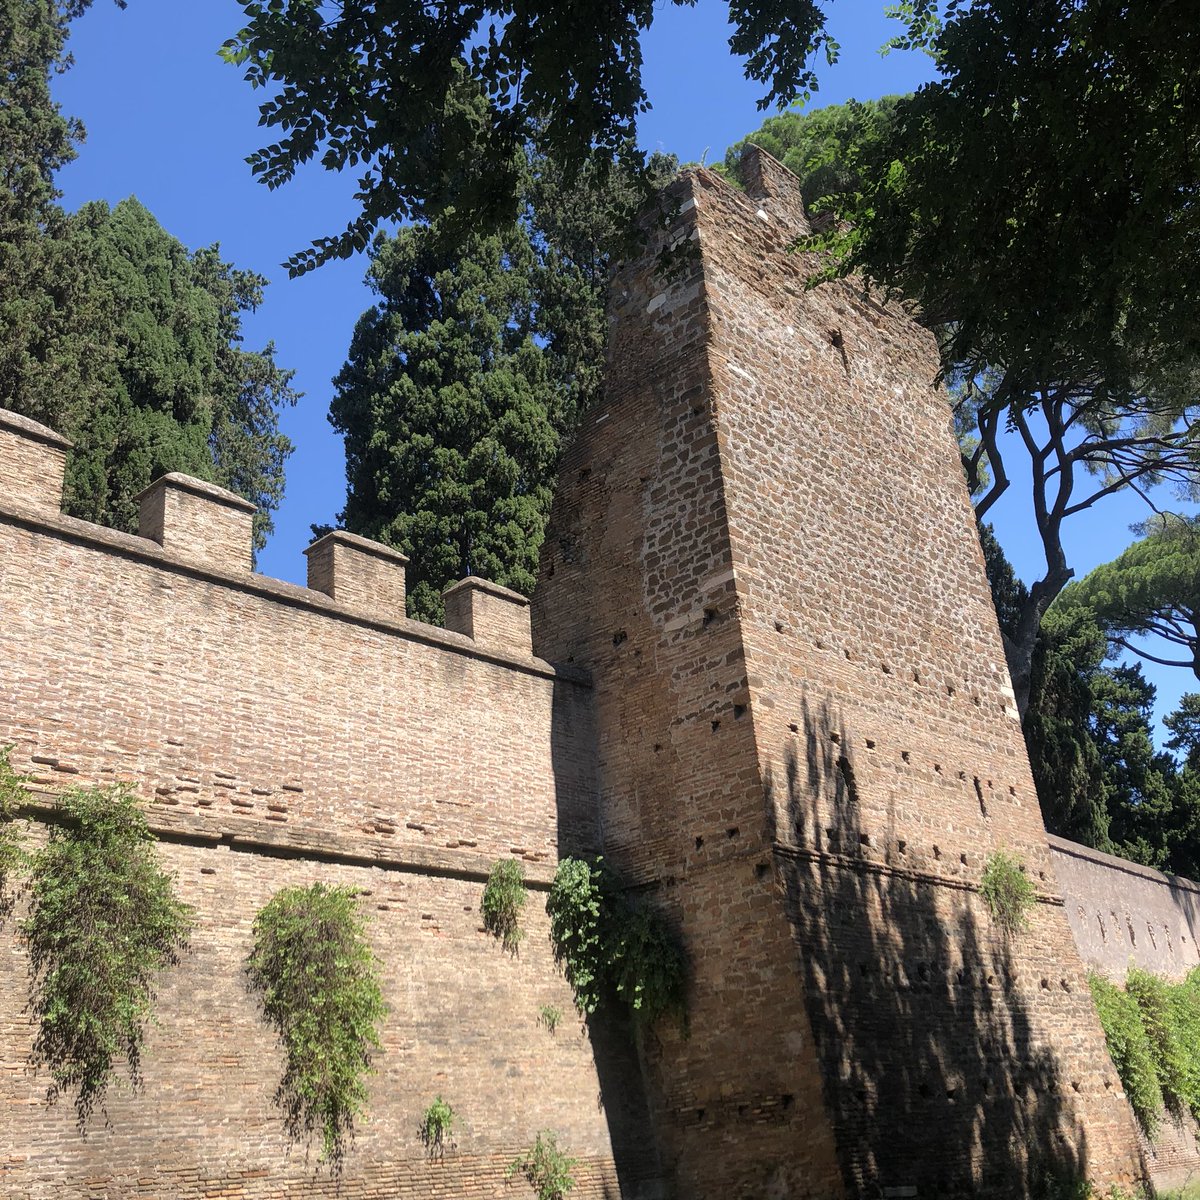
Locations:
{"points": [[780, 708], [282, 736], [763, 550]]}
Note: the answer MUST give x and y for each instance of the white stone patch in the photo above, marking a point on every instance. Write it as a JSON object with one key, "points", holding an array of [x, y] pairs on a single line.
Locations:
{"points": [[740, 371], [762, 215], [687, 204], [657, 302]]}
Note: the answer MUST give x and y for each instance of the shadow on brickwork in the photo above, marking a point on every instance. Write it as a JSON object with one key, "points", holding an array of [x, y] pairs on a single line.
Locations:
{"points": [[932, 1077], [622, 1095]]}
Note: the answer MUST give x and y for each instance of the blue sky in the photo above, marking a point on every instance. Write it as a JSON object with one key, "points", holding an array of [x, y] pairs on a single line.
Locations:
{"points": [[169, 122]]}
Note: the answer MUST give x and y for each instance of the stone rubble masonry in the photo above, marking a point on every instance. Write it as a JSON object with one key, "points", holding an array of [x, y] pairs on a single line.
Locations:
{"points": [[781, 711], [763, 551]]}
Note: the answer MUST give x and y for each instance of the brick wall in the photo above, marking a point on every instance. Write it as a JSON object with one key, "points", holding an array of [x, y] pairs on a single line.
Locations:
{"points": [[763, 550], [282, 736]]}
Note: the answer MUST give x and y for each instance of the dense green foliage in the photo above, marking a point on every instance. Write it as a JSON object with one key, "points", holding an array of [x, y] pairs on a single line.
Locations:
{"points": [[579, 905], [468, 372], [1174, 1061], [179, 392], [318, 983], [1130, 1050], [380, 91], [12, 852], [103, 923], [610, 949], [503, 902], [1153, 1034], [48, 355], [437, 1126], [110, 330], [1151, 590], [823, 148], [1007, 892], [448, 412], [1089, 731], [546, 1168], [1037, 203]]}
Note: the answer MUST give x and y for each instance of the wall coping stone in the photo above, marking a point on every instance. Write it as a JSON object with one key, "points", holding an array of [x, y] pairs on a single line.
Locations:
{"points": [[32, 429], [198, 487], [1151, 874], [129, 545], [479, 584], [346, 538]]}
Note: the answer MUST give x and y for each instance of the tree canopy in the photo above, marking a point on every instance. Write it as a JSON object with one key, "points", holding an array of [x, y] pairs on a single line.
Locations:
{"points": [[1038, 204], [376, 88], [111, 330], [448, 412], [1151, 590]]}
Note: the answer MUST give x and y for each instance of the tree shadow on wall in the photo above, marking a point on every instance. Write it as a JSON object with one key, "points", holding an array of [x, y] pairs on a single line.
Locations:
{"points": [[933, 1076]]}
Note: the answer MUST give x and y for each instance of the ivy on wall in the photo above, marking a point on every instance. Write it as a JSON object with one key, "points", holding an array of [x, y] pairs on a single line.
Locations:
{"points": [[103, 923], [608, 947], [12, 853], [1153, 1033], [1007, 892], [503, 902], [318, 983]]}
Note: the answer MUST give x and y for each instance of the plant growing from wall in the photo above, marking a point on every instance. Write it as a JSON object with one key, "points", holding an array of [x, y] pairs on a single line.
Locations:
{"points": [[549, 1015], [1160, 1020], [1130, 1050], [547, 1169], [580, 906], [607, 946], [318, 983], [1007, 892], [12, 852], [103, 923], [503, 902], [437, 1125]]}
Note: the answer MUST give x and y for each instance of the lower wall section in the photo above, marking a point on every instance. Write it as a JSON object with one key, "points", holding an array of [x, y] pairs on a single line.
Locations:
{"points": [[463, 1023]]}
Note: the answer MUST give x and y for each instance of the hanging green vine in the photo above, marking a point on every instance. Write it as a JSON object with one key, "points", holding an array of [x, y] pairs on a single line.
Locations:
{"points": [[103, 923], [503, 902], [607, 946], [437, 1127], [1007, 892], [12, 852], [319, 986]]}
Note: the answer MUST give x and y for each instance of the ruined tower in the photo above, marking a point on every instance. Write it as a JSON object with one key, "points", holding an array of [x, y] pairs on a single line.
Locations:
{"points": [[763, 551]]}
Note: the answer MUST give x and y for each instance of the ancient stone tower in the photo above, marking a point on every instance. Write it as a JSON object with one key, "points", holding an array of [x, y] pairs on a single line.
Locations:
{"points": [[763, 551]]}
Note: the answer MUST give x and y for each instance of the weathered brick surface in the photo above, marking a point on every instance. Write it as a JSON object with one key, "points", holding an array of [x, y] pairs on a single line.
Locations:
{"points": [[763, 550], [462, 1022], [195, 520], [358, 572], [33, 461], [283, 737], [781, 710]]}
